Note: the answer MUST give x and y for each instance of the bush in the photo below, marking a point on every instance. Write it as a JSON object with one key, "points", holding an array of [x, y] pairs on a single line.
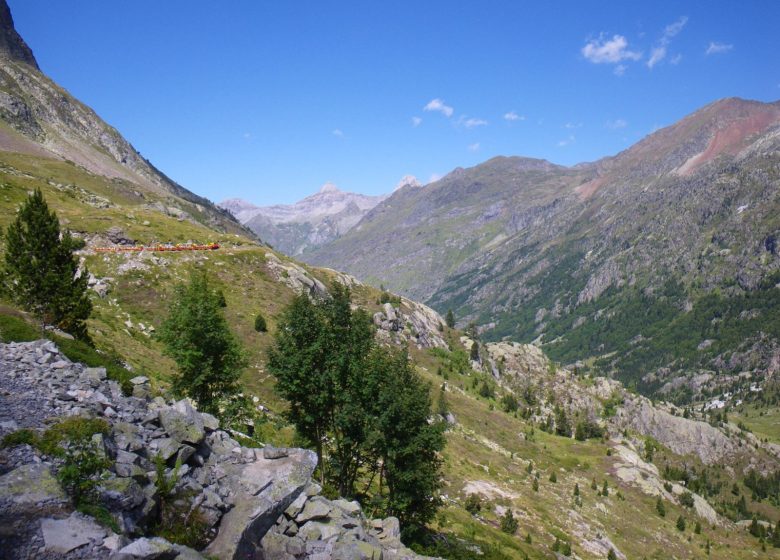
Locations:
{"points": [[508, 522], [680, 523], [260, 325], [473, 504], [84, 460], [20, 437], [686, 499]]}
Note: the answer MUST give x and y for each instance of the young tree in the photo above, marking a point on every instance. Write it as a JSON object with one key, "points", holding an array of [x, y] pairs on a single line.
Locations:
{"points": [[660, 508], [407, 446], [40, 272], [508, 522], [474, 351], [197, 337], [260, 325], [450, 319], [680, 523]]}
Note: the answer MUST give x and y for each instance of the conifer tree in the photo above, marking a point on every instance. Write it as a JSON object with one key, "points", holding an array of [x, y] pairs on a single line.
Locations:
{"points": [[450, 319], [197, 337], [40, 272]]}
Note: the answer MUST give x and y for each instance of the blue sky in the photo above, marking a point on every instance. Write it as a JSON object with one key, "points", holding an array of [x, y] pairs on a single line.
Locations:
{"points": [[269, 100]]}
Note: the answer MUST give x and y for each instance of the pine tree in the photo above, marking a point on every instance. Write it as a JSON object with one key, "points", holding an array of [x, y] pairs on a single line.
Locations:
{"points": [[450, 319], [576, 489], [611, 554], [474, 352], [40, 272], [660, 508], [605, 489], [260, 325], [196, 335], [680, 523], [508, 522], [442, 408]]}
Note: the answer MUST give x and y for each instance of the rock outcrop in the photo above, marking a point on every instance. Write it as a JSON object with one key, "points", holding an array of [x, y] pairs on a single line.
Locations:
{"points": [[250, 502]]}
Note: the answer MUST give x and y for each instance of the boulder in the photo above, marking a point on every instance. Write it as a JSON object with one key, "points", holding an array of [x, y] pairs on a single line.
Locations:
{"points": [[60, 536], [182, 422], [260, 491], [316, 508], [146, 549], [31, 484]]}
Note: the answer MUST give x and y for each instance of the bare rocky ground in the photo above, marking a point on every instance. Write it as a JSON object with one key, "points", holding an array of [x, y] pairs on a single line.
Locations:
{"points": [[253, 503]]}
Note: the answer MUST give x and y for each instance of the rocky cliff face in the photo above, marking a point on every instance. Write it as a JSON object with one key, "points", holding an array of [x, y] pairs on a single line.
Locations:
{"points": [[248, 503], [307, 224], [12, 45]]}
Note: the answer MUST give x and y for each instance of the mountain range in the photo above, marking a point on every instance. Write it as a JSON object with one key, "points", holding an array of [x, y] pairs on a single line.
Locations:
{"points": [[312, 222], [658, 262]]}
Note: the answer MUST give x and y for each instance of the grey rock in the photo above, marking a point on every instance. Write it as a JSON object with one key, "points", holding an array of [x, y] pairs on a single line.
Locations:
{"points": [[182, 422], [63, 535], [270, 452], [31, 484], [261, 491], [147, 549], [316, 508]]}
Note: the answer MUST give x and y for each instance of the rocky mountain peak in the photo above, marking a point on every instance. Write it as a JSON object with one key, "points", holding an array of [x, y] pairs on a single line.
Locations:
{"points": [[409, 180], [11, 43], [329, 188]]}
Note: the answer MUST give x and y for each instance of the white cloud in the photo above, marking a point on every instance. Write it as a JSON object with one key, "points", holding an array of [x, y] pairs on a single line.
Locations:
{"points": [[337, 133], [473, 122], [609, 51], [566, 141], [656, 56], [718, 48], [572, 126], [674, 28], [247, 135], [616, 124], [658, 53], [676, 59], [474, 147], [416, 121], [620, 69], [512, 116], [433, 178], [438, 105]]}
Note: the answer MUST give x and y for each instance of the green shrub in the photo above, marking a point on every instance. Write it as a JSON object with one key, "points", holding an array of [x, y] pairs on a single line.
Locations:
{"points": [[260, 325], [508, 522], [20, 437], [473, 504]]}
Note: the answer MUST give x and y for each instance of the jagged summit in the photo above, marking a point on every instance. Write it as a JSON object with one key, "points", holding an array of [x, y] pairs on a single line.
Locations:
{"points": [[329, 188], [407, 180], [11, 43]]}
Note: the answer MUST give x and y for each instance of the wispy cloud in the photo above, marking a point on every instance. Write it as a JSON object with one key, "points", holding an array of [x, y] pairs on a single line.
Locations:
{"points": [[337, 132], [616, 124], [675, 60], [620, 69], [572, 125], [609, 51], [433, 178], [659, 51], [717, 48], [472, 122], [416, 121], [474, 147], [566, 141], [247, 135], [512, 116], [439, 105]]}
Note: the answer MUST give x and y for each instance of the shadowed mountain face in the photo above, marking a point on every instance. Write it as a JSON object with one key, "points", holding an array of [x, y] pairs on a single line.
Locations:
{"points": [[11, 44], [40, 119], [624, 259]]}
